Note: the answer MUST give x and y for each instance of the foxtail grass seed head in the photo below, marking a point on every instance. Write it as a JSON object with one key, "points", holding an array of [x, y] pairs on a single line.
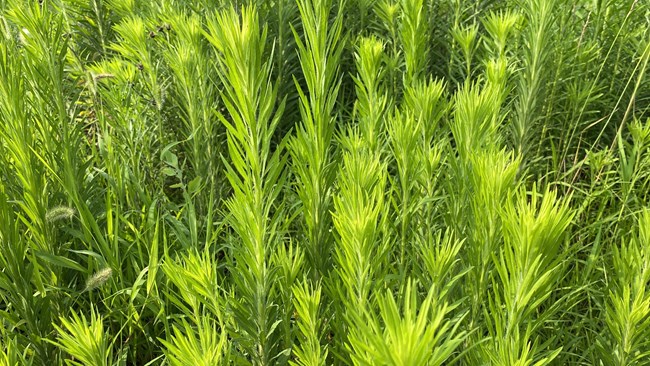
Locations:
{"points": [[104, 76], [59, 213], [24, 36], [98, 279]]}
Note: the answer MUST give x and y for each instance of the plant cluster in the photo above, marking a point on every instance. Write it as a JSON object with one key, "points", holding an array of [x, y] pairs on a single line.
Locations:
{"points": [[324, 182]]}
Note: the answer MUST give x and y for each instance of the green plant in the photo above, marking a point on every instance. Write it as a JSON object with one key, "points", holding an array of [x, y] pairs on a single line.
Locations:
{"points": [[318, 182], [85, 340]]}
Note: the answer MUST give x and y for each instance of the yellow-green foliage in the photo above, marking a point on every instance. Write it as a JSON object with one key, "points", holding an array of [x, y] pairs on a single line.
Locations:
{"points": [[324, 182]]}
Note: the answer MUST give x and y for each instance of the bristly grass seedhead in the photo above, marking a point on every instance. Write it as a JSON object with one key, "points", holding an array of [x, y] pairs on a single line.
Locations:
{"points": [[99, 278], [104, 75], [59, 213]]}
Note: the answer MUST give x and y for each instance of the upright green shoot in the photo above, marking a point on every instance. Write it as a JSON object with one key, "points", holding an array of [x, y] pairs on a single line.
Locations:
{"points": [[256, 174], [536, 62], [314, 158]]}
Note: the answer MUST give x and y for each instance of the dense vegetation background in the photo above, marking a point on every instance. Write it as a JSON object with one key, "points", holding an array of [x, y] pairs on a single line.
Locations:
{"points": [[311, 182]]}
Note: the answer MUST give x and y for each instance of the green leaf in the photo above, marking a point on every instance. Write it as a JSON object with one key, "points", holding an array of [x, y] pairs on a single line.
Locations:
{"points": [[60, 261]]}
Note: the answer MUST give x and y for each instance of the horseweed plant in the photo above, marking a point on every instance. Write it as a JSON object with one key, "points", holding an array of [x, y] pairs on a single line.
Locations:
{"points": [[324, 182]]}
